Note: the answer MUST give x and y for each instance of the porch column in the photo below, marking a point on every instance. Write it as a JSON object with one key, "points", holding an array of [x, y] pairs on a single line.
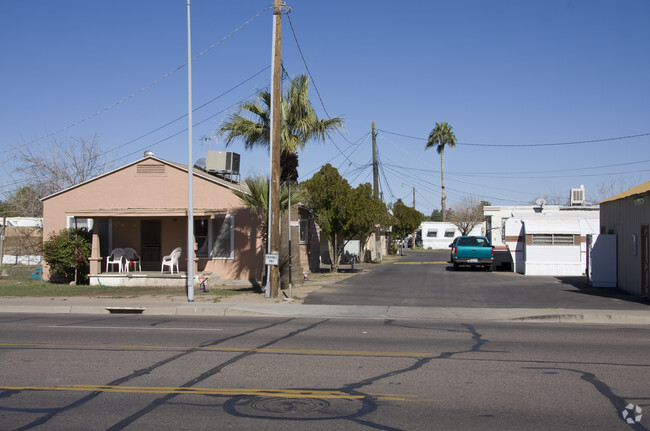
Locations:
{"points": [[95, 259]]}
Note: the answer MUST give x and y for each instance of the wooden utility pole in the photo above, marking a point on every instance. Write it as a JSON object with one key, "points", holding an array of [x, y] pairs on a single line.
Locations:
{"points": [[413, 197], [274, 184], [375, 188], [3, 229]]}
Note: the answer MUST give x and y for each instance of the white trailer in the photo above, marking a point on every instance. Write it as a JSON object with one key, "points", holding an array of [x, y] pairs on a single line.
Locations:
{"points": [[546, 245], [437, 235]]}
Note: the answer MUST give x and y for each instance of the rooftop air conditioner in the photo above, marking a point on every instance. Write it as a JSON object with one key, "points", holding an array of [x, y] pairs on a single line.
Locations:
{"points": [[222, 162], [578, 196]]}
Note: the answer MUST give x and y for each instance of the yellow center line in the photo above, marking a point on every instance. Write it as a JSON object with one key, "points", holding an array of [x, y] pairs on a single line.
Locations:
{"points": [[279, 393], [230, 349]]}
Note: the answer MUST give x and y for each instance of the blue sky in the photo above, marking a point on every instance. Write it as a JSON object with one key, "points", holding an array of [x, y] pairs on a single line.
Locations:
{"points": [[543, 95]]}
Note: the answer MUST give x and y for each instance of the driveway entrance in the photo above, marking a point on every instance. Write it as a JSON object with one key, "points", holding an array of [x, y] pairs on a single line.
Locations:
{"points": [[426, 279]]}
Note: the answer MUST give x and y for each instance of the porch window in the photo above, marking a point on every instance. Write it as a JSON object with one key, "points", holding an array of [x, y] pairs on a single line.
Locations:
{"points": [[79, 223], [552, 239], [304, 230], [215, 237], [432, 233], [449, 233]]}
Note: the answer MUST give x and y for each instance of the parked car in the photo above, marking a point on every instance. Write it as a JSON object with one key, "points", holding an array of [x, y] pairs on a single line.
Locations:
{"points": [[451, 246], [472, 251]]}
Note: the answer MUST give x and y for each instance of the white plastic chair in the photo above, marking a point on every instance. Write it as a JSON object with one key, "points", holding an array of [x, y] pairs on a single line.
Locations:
{"points": [[116, 258], [132, 257], [171, 260]]}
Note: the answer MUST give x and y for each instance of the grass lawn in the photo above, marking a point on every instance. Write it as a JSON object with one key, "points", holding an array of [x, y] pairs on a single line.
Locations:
{"points": [[17, 281]]}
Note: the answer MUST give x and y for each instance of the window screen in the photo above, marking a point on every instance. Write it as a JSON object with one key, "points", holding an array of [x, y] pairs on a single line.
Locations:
{"points": [[552, 239]]}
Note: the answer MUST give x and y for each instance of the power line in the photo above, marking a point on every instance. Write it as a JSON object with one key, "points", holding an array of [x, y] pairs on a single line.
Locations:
{"points": [[592, 141], [141, 90], [304, 61]]}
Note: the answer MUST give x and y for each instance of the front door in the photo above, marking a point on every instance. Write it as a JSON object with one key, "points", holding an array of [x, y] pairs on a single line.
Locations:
{"points": [[150, 234], [645, 266]]}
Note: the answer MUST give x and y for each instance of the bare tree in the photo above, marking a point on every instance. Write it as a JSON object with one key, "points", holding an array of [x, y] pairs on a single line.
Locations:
{"points": [[468, 214], [613, 187], [49, 168]]}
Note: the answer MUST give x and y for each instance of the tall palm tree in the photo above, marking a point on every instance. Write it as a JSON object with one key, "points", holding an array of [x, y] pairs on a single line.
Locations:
{"points": [[300, 124], [442, 136]]}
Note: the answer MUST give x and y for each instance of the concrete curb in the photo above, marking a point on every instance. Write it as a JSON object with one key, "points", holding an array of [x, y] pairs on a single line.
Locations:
{"points": [[556, 315]]}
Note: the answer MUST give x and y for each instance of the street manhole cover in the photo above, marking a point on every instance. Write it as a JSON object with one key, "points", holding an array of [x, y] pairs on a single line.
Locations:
{"points": [[298, 408], [290, 405]]}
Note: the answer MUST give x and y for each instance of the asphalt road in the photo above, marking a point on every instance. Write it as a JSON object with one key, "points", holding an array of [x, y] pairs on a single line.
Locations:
{"points": [[112, 372], [426, 279]]}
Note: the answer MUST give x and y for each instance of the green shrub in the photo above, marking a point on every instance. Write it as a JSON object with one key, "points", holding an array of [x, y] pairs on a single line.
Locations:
{"points": [[66, 252]]}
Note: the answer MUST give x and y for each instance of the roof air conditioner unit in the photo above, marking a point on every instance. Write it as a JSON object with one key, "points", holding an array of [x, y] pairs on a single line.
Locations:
{"points": [[222, 162], [578, 196]]}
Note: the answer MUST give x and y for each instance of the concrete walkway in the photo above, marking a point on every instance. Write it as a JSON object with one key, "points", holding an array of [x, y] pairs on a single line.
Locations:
{"points": [[159, 307]]}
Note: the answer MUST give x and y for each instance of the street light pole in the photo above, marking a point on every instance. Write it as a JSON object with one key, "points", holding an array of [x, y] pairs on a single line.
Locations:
{"points": [[190, 173]]}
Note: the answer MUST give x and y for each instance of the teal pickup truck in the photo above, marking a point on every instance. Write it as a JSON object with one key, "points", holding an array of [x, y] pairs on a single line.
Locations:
{"points": [[472, 251]]}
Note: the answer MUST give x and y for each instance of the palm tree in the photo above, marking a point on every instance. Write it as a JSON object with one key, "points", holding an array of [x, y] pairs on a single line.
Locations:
{"points": [[300, 124], [442, 136], [257, 199]]}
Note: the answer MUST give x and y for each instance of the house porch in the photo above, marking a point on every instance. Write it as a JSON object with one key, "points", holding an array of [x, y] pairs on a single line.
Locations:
{"points": [[139, 279]]}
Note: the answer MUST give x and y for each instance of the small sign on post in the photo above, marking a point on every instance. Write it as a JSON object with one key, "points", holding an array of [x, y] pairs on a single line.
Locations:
{"points": [[272, 259]]}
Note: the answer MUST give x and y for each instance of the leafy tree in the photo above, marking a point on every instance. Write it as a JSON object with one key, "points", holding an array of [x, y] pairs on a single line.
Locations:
{"points": [[405, 219], [436, 215], [468, 214], [440, 137], [67, 253], [300, 124], [342, 213]]}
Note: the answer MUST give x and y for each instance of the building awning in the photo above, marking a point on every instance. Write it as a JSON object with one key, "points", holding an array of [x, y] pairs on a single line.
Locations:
{"points": [[552, 225]]}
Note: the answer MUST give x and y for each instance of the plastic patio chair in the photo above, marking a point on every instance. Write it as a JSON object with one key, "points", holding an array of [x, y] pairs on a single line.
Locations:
{"points": [[171, 260], [132, 258], [116, 258]]}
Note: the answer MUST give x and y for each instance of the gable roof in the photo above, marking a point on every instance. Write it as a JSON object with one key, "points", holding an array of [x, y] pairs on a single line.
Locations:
{"points": [[196, 171], [642, 188]]}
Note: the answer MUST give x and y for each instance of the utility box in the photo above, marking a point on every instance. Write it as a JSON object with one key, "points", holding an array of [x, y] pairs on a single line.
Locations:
{"points": [[225, 162]]}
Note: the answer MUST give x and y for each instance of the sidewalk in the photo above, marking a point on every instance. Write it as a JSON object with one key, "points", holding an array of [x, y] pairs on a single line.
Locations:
{"points": [[256, 305], [160, 307]]}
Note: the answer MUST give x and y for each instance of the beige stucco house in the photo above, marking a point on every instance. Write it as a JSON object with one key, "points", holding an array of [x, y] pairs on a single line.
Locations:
{"points": [[143, 205]]}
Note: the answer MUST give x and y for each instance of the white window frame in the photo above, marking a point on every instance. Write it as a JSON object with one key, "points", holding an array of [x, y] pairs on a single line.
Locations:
{"points": [[81, 222]]}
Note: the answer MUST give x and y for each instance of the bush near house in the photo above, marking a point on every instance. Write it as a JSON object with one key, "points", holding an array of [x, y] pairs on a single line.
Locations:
{"points": [[67, 253]]}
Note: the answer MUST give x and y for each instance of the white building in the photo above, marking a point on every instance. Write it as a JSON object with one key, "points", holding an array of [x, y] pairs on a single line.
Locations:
{"points": [[543, 239], [548, 244]]}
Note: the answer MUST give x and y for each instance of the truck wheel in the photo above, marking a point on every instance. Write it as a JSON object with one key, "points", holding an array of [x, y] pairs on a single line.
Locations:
{"points": [[455, 266], [489, 268]]}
